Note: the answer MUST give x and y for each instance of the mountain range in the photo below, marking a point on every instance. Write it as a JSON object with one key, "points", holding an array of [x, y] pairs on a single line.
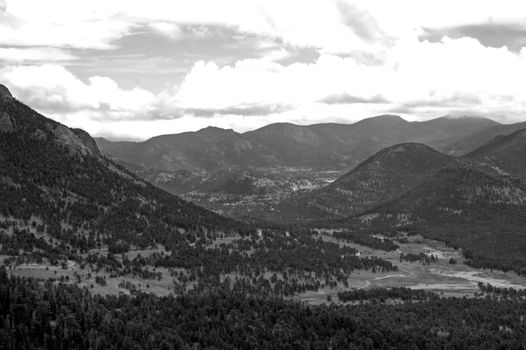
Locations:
{"points": [[319, 146]]}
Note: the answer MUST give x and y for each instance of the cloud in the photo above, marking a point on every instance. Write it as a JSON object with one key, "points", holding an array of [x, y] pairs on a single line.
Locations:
{"points": [[333, 26], [97, 24], [496, 35], [52, 88], [171, 30], [349, 99], [240, 110], [259, 81], [360, 22], [34, 54], [445, 74], [60, 23]]}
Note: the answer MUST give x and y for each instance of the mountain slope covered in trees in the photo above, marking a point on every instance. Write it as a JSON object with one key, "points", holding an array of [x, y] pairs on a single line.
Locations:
{"points": [[382, 177], [478, 138], [483, 214], [507, 153], [65, 197]]}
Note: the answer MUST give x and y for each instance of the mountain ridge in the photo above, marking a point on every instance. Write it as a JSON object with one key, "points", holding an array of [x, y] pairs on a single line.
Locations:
{"points": [[318, 146]]}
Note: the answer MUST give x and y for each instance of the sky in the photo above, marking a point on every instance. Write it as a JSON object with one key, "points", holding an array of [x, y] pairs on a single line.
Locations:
{"points": [[128, 69]]}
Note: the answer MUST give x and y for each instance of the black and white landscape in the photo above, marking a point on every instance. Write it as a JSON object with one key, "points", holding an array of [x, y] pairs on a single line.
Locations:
{"points": [[262, 175]]}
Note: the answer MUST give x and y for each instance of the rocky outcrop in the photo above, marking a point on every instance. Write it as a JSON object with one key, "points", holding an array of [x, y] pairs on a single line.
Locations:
{"points": [[87, 140]]}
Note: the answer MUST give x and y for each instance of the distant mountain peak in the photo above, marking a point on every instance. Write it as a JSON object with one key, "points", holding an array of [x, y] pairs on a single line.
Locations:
{"points": [[214, 128], [386, 118], [382, 121], [215, 131]]}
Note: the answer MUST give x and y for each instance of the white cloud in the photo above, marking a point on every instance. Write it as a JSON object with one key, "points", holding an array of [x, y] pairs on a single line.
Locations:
{"points": [[171, 30], [331, 25], [415, 74], [52, 88], [61, 23], [34, 54], [254, 81]]}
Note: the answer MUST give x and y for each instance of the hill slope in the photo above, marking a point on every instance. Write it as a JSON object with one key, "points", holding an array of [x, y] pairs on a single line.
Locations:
{"points": [[73, 198], [383, 177], [507, 153], [481, 213], [479, 138]]}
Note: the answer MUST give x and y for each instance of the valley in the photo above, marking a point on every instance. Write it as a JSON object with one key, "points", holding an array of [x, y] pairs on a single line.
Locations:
{"points": [[441, 276], [270, 187]]}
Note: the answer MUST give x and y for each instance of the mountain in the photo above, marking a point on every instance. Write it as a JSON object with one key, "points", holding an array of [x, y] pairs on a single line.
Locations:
{"points": [[382, 177], [205, 150], [483, 214], [320, 146], [507, 153], [61, 197], [230, 181], [478, 138]]}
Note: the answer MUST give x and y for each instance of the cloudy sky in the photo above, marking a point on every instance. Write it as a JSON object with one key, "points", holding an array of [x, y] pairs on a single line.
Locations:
{"points": [[128, 69]]}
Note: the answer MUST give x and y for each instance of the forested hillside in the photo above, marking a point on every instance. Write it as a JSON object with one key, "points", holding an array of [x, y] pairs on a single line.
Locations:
{"points": [[381, 178], [483, 214], [64, 197], [506, 153]]}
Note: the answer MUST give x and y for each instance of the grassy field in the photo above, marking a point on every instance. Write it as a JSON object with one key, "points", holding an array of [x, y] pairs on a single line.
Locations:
{"points": [[442, 277], [448, 279]]}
